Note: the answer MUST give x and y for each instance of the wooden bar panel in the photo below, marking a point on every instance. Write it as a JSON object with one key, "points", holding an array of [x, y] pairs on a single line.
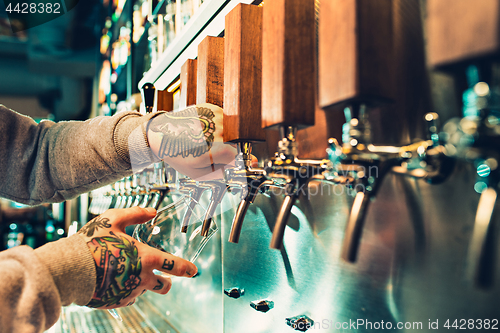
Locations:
{"points": [[210, 78], [356, 55], [461, 30], [188, 83], [288, 56], [243, 75], [165, 101]]}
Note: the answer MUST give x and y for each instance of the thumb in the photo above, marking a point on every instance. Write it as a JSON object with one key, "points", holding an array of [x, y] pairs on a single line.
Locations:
{"points": [[134, 215]]}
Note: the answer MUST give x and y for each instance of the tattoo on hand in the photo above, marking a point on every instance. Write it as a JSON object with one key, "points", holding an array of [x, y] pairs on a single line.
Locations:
{"points": [[91, 227], [159, 286], [168, 264], [190, 131], [118, 269]]}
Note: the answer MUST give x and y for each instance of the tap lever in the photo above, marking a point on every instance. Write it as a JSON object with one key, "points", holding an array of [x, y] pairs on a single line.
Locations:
{"points": [[479, 262]]}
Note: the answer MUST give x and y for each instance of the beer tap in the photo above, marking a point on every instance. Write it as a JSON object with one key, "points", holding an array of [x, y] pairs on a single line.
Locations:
{"points": [[288, 70], [210, 89], [475, 139], [250, 180], [296, 174], [138, 190], [158, 192], [361, 85], [196, 189], [195, 192], [358, 157], [129, 192], [159, 175], [120, 192], [218, 189], [242, 104]]}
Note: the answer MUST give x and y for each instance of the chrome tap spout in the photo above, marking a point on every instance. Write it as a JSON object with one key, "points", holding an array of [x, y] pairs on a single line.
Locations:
{"points": [[195, 191], [218, 189], [248, 198], [296, 173], [250, 180], [479, 262]]}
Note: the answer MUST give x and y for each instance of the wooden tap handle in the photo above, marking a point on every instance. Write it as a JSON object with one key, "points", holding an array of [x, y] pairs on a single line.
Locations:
{"points": [[356, 52], [243, 75], [165, 101], [461, 31], [210, 77], [288, 63], [188, 83]]}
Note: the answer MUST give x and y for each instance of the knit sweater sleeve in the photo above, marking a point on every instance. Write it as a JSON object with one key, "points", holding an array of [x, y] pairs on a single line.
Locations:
{"points": [[53, 162], [34, 285]]}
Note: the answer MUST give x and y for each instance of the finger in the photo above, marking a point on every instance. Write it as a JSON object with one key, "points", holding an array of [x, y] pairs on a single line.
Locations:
{"points": [[165, 262], [222, 153], [131, 302], [160, 284], [217, 110], [124, 217]]}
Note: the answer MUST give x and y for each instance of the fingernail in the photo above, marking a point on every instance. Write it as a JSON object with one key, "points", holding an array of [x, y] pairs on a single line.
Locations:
{"points": [[192, 271], [151, 210], [169, 286]]}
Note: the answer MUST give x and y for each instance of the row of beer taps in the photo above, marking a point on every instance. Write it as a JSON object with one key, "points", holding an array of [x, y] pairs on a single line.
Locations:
{"points": [[348, 164], [475, 138]]}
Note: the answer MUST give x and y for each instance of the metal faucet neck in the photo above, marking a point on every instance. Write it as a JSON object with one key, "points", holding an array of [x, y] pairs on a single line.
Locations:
{"points": [[357, 128], [287, 147], [244, 156]]}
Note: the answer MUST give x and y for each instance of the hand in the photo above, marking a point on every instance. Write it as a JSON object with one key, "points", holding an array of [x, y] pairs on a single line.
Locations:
{"points": [[124, 267], [191, 141]]}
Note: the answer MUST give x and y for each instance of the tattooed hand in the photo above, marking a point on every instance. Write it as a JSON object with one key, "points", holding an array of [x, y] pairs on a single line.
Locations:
{"points": [[191, 141], [124, 267]]}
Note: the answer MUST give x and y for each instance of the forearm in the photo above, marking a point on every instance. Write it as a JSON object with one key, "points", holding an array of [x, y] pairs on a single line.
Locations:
{"points": [[34, 285], [51, 162], [29, 300]]}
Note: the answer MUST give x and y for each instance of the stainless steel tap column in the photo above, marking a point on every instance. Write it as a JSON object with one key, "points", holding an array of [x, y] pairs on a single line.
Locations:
{"points": [[469, 49]]}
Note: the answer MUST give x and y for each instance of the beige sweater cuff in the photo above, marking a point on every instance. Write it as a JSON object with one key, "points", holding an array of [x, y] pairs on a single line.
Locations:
{"points": [[131, 141], [72, 267]]}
